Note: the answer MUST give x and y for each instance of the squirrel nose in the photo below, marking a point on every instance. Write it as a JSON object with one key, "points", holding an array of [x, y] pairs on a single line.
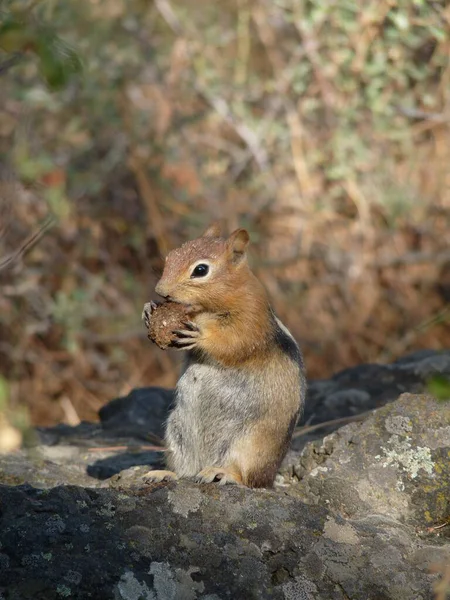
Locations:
{"points": [[162, 290]]}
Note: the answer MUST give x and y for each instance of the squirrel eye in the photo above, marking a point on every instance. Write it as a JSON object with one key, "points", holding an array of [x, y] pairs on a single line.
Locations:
{"points": [[200, 271]]}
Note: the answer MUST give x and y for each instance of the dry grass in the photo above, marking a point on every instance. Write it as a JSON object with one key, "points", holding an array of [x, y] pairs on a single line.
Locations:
{"points": [[324, 129]]}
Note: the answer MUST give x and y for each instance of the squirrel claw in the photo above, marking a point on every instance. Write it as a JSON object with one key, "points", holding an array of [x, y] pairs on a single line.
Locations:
{"points": [[149, 307], [191, 326], [186, 338], [186, 333], [156, 476], [222, 476], [186, 343]]}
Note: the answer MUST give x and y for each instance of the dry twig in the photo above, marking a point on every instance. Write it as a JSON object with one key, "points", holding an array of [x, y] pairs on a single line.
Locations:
{"points": [[438, 527], [12, 258], [10, 62], [155, 219], [220, 105], [129, 448], [300, 431]]}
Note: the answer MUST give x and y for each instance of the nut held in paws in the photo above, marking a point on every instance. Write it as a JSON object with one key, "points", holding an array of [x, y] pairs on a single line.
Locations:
{"points": [[165, 319]]}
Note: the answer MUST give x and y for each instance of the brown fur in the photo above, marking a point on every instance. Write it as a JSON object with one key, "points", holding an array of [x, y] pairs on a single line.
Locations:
{"points": [[233, 307], [237, 330], [258, 456], [263, 452], [242, 331]]}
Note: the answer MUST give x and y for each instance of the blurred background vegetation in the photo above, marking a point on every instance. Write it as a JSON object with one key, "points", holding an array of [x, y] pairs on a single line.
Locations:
{"points": [[322, 127]]}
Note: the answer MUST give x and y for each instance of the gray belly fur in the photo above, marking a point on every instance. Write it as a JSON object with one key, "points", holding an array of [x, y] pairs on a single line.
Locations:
{"points": [[214, 407]]}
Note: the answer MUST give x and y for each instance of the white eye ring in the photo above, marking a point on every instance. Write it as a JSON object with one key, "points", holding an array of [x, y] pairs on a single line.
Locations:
{"points": [[200, 270]]}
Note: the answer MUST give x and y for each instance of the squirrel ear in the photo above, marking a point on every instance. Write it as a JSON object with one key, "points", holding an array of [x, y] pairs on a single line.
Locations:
{"points": [[238, 242], [214, 230]]}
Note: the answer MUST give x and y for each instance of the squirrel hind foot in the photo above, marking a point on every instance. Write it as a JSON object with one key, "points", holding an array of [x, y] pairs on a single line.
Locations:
{"points": [[156, 476], [220, 475]]}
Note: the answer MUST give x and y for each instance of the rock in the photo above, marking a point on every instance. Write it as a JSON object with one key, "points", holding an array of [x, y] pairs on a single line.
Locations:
{"points": [[39, 467], [184, 541], [353, 516], [395, 463], [144, 410], [365, 387], [129, 428]]}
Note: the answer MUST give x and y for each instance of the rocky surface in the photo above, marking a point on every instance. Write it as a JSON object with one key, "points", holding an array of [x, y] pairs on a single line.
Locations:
{"points": [[187, 542], [362, 388], [359, 514], [395, 463]]}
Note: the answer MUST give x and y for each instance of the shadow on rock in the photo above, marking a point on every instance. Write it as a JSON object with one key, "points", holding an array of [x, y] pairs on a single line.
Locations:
{"points": [[112, 465]]}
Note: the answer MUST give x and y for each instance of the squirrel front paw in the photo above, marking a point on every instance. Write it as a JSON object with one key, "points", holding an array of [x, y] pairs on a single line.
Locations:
{"points": [[147, 312], [186, 338]]}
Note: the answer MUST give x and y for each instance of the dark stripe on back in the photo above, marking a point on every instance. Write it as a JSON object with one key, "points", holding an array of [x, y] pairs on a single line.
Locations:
{"points": [[287, 344]]}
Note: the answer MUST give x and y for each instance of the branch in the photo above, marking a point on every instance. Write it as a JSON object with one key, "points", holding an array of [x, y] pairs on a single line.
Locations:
{"points": [[413, 258], [12, 258], [415, 113], [300, 431], [250, 138], [10, 62], [155, 218]]}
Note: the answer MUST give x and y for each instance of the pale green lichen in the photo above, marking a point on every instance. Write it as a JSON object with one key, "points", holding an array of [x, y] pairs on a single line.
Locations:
{"points": [[401, 454], [54, 525], [343, 534], [318, 470], [185, 500], [175, 583], [398, 424], [299, 589], [74, 577], [129, 588], [64, 591], [108, 510]]}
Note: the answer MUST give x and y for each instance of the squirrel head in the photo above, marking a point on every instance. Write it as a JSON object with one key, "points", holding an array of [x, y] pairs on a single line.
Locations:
{"points": [[204, 272]]}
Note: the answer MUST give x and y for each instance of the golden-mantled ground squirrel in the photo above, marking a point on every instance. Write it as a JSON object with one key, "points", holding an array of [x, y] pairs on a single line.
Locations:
{"points": [[243, 383]]}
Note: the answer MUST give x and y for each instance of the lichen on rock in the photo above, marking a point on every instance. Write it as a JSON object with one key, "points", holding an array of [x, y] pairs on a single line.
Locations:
{"points": [[351, 520]]}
